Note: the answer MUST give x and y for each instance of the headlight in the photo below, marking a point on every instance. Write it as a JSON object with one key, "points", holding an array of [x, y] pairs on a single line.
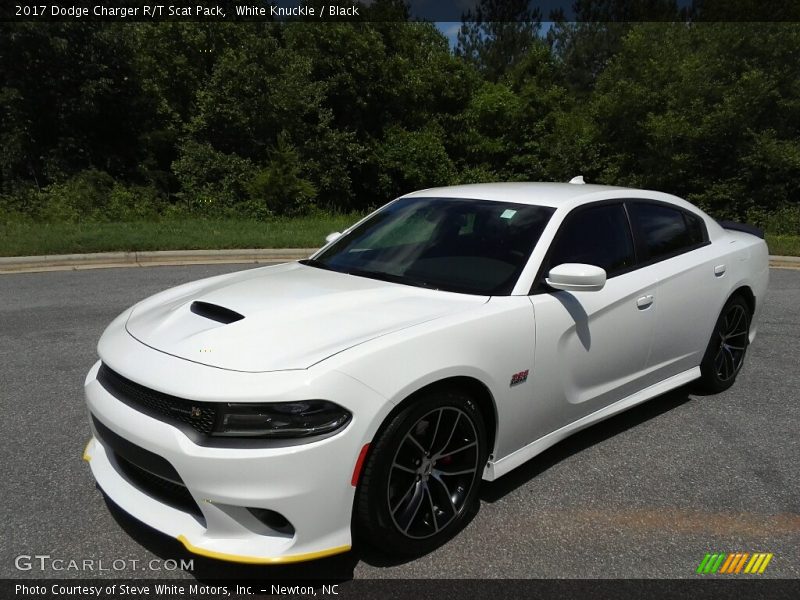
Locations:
{"points": [[281, 419]]}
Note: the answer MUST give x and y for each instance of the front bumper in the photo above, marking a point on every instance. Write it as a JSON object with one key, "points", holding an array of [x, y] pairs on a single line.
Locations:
{"points": [[309, 484]]}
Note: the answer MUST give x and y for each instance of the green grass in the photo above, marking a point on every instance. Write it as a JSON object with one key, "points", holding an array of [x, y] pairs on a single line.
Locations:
{"points": [[784, 245], [29, 239], [22, 238]]}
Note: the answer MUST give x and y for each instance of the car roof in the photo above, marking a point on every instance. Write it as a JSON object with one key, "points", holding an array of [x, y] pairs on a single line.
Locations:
{"points": [[541, 194]]}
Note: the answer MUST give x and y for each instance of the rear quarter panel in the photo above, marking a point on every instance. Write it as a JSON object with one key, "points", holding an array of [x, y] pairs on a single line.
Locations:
{"points": [[748, 260]]}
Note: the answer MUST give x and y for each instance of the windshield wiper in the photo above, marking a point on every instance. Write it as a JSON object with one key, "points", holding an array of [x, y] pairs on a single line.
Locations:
{"points": [[314, 262], [392, 278]]}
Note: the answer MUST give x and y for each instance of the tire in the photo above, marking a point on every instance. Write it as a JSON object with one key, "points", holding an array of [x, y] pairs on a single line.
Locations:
{"points": [[408, 503], [727, 347]]}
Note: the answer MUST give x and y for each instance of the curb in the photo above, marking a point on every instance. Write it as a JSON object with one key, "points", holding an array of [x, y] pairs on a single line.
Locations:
{"points": [[104, 260], [784, 262]]}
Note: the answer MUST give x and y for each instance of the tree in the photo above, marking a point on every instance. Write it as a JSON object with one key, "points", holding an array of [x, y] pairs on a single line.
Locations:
{"points": [[280, 187], [707, 111], [173, 61], [497, 35], [70, 100], [585, 41]]}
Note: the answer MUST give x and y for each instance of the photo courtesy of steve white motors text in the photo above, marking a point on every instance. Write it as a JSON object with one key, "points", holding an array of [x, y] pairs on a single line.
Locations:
{"points": [[171, 589]]}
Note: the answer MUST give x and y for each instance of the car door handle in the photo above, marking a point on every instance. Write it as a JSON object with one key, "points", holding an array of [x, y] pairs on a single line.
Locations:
{"points": [[719, 270], [644, 301]]}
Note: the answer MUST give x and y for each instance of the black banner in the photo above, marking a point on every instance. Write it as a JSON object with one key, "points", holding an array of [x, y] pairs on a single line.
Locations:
{"points": [[398, 10], [401, 589]]}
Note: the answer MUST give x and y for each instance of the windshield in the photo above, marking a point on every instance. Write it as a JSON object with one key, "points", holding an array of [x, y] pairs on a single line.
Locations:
{"points": [[452, 244]]}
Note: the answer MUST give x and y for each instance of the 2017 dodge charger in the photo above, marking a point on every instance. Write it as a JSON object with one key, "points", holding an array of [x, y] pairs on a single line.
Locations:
{"points": [[270, 415]]}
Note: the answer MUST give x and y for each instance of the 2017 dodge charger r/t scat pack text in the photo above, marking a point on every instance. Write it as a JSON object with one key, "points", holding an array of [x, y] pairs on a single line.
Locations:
{"points": [[270, 415]]}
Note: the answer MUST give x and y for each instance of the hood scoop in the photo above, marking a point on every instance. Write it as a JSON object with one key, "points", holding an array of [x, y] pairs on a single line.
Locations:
{"points": [[215, 312]]}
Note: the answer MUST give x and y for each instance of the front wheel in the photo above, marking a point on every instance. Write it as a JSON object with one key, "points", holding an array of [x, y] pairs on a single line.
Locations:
{"points": [[724, 355], [420, 482]]}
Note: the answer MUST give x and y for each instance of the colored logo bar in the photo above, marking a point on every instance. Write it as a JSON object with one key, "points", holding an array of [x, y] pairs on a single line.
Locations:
{"points": [[722, 563]]}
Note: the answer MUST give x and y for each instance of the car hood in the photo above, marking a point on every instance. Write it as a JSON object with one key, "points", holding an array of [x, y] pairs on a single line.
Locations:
{"points": [[290, 316]]}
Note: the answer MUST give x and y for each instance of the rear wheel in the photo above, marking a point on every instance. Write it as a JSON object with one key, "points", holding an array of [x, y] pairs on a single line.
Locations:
{"points": [[420, 482], [724, 356]]}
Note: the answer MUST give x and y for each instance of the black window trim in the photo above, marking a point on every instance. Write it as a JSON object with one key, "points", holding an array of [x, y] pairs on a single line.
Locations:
{"points": [[639, 246]]}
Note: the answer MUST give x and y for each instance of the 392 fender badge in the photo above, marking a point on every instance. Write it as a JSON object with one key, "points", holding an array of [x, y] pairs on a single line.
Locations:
{"points": [[518, 378]]}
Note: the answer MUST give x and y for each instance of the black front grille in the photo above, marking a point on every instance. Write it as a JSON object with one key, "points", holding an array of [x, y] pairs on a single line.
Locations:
{"points": [[149, 472], [150, 461], [168, 492], [200, 416]]}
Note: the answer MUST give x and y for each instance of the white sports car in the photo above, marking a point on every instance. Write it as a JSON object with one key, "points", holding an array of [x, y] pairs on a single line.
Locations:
{"points": [[272, 414]]}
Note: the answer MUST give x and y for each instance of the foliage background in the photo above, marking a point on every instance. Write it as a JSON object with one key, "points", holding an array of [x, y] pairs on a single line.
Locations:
{"points": [[138, 121]]}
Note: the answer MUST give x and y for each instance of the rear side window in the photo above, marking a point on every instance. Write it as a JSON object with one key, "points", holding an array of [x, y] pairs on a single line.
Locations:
{"points": [[666, 231], [597, 236], [697, 229]]}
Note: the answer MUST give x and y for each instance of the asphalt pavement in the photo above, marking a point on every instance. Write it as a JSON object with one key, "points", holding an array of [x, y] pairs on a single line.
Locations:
{"points": [[645, 494]]}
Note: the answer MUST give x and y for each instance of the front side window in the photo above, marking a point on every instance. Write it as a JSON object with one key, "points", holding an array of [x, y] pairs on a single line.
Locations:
{"points": [[598, 236], [666, 231], [452, 244]]}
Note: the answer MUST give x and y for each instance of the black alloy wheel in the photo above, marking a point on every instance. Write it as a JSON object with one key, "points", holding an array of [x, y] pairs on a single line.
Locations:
{"points": [[726, 350], [421, 477], [732, 342], [432, 472]]}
